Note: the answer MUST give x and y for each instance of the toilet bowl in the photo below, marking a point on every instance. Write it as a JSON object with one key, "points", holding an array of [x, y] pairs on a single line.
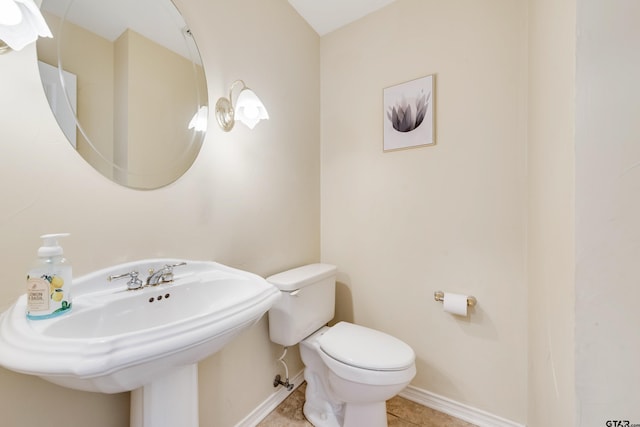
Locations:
{"points": [[350, 370]]}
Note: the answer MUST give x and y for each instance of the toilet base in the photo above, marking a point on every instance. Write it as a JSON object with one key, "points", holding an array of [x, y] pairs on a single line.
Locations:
{"points": [[323, 410], [319, 408]]}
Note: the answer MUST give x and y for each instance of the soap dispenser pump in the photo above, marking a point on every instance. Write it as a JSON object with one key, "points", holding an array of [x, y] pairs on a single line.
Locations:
{"points": [[49, 281]]}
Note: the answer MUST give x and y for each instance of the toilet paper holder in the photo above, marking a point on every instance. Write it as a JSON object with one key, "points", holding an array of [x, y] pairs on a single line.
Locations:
{"points": [[439, 296]]}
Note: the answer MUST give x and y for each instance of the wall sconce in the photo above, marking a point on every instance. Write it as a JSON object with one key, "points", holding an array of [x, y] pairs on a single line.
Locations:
{"points": [[20, 24], [249, 109]]}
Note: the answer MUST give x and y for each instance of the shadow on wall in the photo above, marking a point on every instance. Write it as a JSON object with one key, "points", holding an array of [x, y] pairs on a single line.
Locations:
{"points": [[344, 300], [477, 323]]}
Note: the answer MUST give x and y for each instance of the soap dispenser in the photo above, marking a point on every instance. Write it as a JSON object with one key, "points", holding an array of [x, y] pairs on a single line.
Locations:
{"points": [[49, 281]]}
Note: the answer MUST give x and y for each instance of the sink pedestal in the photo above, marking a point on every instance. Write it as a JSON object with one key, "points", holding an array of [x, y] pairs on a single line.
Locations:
{"points": [[168, 401]]}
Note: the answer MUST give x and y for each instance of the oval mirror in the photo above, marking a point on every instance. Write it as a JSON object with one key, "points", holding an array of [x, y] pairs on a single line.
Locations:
{"points": [[126, 84]]}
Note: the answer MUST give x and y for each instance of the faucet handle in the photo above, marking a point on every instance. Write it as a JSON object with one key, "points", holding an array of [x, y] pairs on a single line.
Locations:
{"points": [[171, 266], [133, 283], [167, 270]]}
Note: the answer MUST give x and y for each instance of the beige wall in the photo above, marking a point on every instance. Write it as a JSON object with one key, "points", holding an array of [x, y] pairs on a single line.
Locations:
{"points": [[551, 190], [607, 212], [404, 224], [251, 200]]}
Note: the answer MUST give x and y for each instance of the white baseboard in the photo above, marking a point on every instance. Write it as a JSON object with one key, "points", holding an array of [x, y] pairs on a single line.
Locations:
{"points": [[456, 409], [431, 400], [271, 403]]}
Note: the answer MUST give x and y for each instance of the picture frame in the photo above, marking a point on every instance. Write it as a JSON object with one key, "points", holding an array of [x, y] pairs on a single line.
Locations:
{"points": [[408, 114]]}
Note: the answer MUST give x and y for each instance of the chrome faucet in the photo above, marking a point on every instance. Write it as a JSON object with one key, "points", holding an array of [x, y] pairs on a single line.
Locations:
{"points": [[164, 275]]}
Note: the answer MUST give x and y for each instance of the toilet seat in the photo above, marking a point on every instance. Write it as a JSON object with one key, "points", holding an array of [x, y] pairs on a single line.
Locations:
{"points": [[366, 348], [366, 356]]}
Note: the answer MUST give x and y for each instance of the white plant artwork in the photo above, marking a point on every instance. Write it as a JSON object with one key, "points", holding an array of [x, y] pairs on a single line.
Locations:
{"points": [[408, 114]]}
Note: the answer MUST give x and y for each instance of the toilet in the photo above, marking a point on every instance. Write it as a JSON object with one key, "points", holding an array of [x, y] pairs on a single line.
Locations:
{"points": [[350, 370]]}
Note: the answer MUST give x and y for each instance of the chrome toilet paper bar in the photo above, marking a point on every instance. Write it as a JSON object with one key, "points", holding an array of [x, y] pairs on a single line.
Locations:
{"points": [[439, 296]]}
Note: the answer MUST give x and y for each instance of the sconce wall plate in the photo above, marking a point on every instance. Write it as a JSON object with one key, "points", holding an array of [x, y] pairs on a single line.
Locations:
{"points": [[4, 48], [224, 114]]}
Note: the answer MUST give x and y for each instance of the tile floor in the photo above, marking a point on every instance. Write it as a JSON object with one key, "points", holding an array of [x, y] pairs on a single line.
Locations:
{"points": [[400, 413]]}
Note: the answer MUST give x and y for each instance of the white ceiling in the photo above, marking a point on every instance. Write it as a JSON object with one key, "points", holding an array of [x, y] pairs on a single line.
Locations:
{"points": [[325, 16], [152, 18]]}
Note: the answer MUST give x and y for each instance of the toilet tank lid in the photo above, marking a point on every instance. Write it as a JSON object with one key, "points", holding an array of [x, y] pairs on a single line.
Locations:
{"points": [[300, 277]]}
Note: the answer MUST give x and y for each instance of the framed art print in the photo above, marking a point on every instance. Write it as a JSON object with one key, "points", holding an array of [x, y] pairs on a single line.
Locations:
{"points": [[408, 114]]}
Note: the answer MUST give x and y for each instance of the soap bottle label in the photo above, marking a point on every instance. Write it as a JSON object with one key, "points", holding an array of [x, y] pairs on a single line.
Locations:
{"points": [[37, 294], [47, 295]]}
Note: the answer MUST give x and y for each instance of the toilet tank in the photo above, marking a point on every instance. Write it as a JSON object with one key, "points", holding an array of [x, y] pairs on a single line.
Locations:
{"points": [[307, 302]]}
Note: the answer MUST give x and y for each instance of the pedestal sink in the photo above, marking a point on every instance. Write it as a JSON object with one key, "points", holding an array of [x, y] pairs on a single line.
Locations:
{"points": [[148, 340]]}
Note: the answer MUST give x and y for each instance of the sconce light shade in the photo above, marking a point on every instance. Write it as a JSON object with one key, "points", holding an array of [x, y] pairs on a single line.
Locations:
{"points": [[9, 13], [20, 24], [249, 109], [199, 119]]}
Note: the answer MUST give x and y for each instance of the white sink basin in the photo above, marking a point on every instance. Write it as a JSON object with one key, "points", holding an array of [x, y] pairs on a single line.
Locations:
{"points": [[116, 340]]}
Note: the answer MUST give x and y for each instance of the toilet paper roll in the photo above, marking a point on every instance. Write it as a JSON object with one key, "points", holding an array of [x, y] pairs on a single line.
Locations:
{"points": [[455, 304]]}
